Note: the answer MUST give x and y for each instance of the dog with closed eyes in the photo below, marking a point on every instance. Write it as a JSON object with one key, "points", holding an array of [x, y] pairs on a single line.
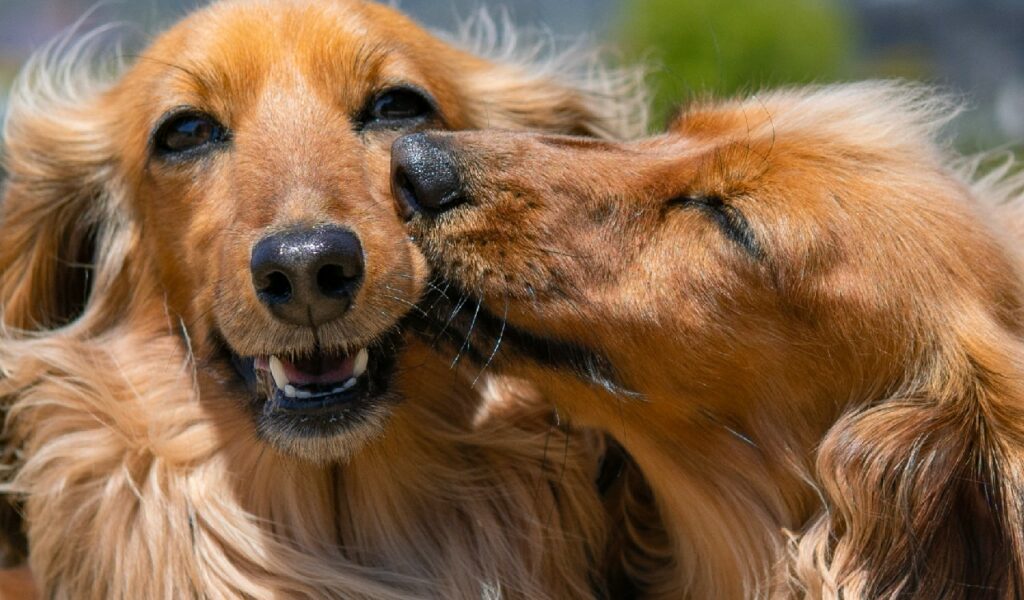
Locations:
{"points": [[795, 311], [204, 363]]}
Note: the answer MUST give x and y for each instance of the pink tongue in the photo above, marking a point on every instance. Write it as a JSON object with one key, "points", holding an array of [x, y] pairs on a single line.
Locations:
{"points": [[319, 370]]}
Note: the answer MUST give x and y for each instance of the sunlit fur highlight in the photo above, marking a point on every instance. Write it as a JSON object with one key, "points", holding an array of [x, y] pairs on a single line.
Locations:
{"points": [[827, 401], [138, 475]]}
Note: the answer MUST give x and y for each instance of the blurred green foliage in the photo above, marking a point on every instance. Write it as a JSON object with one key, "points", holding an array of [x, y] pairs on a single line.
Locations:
{"points": [[726, 46]]}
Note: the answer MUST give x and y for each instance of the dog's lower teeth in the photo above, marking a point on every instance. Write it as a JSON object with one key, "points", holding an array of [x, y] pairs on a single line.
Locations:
{"points": [[290, 391], [349, 384], [302, 394]]}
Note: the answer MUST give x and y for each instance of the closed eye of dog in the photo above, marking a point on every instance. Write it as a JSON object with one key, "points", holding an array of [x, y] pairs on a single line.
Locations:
{"points": [[187, 132], [728, 218], [396, 108]]}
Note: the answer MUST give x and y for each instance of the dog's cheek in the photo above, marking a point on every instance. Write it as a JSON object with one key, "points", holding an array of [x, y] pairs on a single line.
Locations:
{"points": [[175, 233], [395, 270], [392, 258], [377, 164], [213, 254]]}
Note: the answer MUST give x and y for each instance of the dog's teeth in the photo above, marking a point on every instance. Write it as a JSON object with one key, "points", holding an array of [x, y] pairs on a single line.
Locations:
{"points": [[290, 391], [362, 359], [278, 372], [351, 383], [303, 394]]}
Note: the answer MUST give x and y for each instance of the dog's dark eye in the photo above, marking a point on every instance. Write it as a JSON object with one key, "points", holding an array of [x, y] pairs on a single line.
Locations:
{"points": [[187, 132], [396, 107]]}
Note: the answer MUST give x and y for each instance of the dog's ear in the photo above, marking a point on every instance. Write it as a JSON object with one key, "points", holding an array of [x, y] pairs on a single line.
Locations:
{"points": [[571, 95], [925, 493], [60, 208]]}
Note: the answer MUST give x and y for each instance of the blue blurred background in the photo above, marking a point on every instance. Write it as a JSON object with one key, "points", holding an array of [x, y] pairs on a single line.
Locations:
{"points": [[973, 47]]}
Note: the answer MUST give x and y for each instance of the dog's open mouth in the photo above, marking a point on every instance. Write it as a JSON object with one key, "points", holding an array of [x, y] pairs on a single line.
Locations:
{"points": [[321, 393], [313, 383]]}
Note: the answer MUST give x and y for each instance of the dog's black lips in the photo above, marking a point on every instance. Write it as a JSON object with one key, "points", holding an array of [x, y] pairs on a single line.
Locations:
{"points": [[326, 414], [453, 318]]}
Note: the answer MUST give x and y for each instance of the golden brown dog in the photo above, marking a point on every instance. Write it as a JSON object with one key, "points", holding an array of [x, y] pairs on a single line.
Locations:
{"points": [[801, 322], [203, 283]]}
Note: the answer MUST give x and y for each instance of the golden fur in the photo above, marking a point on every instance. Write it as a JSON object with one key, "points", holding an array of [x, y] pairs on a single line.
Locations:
{"points": [[802, 322], [138, 472]]}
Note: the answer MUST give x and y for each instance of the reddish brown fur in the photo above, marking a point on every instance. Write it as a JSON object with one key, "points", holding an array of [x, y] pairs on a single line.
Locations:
{"points": [[828, 407], [140, 472]]}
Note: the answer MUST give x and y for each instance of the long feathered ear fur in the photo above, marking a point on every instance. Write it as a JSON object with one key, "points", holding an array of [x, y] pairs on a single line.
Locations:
{"points": [[60, 213], [64, 228], [926, 490]]}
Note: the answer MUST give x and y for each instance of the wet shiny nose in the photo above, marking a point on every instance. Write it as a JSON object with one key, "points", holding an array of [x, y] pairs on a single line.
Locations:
{"points": [[424, 175], [307, 276]]}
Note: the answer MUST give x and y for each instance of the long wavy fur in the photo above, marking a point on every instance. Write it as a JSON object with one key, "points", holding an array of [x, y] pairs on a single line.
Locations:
{"points": [[136, 485], [822, 311]]}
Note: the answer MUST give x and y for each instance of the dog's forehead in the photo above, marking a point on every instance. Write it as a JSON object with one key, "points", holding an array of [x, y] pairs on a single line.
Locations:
{"points": [[340, 50]]}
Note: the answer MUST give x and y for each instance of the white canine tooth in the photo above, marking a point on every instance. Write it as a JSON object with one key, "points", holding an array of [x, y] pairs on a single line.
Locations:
{"points": [[351, 383], [277, 370], [303, 394], [290, 391], [362, 359]]}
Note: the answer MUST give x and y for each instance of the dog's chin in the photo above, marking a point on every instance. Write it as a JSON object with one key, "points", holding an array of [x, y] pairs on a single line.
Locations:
{"points": [[322, 405]]}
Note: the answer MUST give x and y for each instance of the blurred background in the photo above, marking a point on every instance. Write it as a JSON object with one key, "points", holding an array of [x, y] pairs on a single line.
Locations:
{"points": [[972, 47]]}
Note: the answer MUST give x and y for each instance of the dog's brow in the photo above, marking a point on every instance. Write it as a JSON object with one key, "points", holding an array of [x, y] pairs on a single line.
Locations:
{"points": [[370, 57], [200, 82]]}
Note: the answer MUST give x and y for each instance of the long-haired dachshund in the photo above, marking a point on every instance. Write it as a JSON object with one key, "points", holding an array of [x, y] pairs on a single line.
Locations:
{"points": [[203, 282], [805, 326]]}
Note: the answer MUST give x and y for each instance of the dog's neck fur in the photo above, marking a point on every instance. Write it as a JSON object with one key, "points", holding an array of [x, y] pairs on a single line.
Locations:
{"points": [[732, 495], [125, 472]]}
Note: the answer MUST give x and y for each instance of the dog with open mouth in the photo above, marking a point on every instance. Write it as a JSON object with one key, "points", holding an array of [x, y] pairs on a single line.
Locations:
{"points": [[204, 288], [803, 323]]}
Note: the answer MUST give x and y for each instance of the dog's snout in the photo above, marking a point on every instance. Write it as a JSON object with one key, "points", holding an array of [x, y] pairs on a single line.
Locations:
{"points": [[424, 175], [307, 276]]}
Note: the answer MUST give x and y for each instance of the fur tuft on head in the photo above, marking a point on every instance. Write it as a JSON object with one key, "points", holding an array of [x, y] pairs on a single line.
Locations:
{"points": [[532, 70]]}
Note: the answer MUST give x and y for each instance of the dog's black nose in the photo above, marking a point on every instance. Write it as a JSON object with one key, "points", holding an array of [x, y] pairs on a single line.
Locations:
{"points": [[424, 175], [307, 276]]}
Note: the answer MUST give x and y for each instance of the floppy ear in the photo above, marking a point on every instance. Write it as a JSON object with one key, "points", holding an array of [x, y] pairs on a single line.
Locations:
{"points": [[56, 211], [59, 210], [925, 492]]}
